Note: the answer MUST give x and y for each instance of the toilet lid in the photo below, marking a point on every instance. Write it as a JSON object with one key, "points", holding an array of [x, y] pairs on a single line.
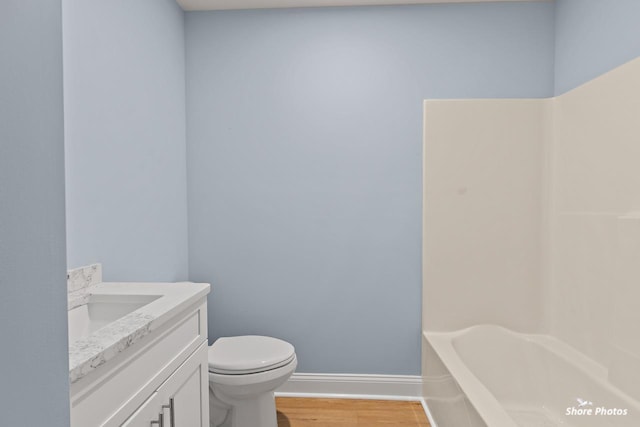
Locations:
{"points": [[248, 354]]}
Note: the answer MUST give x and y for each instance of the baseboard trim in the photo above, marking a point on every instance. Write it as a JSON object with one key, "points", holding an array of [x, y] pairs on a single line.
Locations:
{"points": [[354, 386]]}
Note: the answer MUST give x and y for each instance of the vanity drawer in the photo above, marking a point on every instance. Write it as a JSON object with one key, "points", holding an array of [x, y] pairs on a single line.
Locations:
{"points": [[107, 397]]}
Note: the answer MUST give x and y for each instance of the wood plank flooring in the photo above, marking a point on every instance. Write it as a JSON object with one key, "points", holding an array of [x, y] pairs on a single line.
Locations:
{"points": [[297, 412]]}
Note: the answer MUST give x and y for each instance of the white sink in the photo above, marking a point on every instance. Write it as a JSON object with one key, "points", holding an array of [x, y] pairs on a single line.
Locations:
{"points": [[102, 310]]}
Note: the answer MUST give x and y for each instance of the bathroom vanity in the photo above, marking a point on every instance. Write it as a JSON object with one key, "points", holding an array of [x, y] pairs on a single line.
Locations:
{"points": [[138, 355]]}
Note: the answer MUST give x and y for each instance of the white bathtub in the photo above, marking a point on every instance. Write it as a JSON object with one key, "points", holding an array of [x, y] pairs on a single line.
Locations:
{"points": [[490, 376]]}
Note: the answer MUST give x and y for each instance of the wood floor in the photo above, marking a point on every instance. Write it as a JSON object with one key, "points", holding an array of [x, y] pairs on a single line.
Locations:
{"points": [[296, 412]]}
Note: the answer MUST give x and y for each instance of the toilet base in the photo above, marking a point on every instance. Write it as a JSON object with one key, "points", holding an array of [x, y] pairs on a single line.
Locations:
{"points": [[219, 412], [259, 411], [249, 397]]}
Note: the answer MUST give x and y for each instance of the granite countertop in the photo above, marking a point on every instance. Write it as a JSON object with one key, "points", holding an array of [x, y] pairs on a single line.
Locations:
{"points": [[91, 351]]}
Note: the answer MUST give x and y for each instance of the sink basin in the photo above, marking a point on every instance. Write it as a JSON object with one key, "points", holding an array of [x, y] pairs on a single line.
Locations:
{"points": [[102, 310]]}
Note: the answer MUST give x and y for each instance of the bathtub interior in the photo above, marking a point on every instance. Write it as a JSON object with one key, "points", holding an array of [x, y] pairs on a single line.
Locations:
{"points": [[533, 379]]}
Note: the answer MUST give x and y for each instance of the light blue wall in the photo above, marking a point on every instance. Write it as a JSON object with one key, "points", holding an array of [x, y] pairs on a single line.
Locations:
{"points": [[34, 366], [304, 163], [125, 137], [593, 37]]}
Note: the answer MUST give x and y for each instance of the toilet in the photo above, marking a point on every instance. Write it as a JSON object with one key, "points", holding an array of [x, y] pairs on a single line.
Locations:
{"points": [[244, 371]]}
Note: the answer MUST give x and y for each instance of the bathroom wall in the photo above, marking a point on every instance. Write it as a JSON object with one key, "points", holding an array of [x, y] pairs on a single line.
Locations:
{"points": [[594, 290], [304, 162], [34, 362], [125, 142], [483, 223], [592, 37]]}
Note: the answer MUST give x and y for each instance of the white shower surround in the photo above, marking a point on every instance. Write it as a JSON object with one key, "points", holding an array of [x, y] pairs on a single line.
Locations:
{"points": [[531, 223]]}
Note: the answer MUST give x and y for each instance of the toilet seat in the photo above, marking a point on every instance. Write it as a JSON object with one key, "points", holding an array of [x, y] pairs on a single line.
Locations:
{"points": [[248, 354]]}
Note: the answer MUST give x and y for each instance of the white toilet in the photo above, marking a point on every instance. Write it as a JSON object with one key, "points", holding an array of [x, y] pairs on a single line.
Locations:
{"points": [[243, 373]]}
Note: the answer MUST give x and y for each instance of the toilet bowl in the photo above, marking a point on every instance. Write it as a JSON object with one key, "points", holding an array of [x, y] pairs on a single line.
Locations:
{"points": [[244, 371]]}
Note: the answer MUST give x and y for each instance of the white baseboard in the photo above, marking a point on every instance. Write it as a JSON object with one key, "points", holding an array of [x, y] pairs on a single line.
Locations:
{"points": [[355, 386]]}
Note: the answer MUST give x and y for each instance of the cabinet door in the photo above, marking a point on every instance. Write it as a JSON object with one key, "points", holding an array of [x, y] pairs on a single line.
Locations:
{"points": [[187, 391], [145, 414]]}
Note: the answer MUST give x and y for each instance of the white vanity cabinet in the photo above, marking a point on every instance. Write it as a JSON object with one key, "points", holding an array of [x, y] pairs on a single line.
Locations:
{"points": [[178, 401], [162, 375]]}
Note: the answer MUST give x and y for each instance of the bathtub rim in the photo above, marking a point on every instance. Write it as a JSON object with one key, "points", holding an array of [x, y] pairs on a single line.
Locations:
{"points": [[483, 401]]}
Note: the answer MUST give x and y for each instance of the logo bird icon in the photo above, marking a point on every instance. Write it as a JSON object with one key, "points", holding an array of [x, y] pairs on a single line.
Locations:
{"points": [[582, 403]]}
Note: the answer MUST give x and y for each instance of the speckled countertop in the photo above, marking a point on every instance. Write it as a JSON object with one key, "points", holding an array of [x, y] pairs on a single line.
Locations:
{"points": [[93, 350]]}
